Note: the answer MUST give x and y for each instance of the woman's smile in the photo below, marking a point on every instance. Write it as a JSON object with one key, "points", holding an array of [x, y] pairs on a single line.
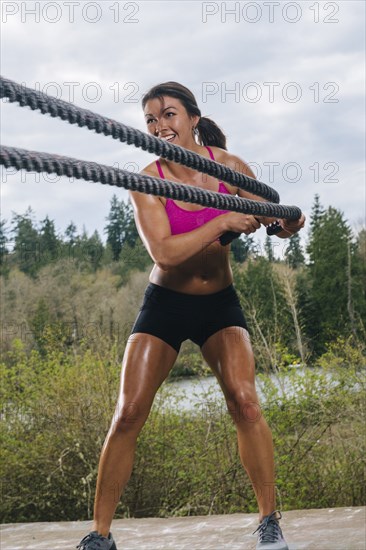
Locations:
{"points": [[168, 137]]}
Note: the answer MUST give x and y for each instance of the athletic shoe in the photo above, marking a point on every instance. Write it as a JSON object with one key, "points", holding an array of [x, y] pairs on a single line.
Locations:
{"points": [[270, 535], [94, 541]]}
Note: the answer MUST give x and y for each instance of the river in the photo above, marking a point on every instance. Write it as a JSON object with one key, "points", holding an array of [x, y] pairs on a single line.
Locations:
{"points": [[195, 392]]}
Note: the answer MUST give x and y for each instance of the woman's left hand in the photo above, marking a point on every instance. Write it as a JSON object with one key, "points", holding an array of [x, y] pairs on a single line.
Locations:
{"points": [[293, 226]]}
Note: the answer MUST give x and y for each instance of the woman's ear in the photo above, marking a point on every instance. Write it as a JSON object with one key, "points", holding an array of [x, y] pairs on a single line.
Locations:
{"points": [[195, 120]]}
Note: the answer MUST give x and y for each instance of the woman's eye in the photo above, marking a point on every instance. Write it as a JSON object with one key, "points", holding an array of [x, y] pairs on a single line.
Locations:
{"points": [[149, 120], [170, 114]]}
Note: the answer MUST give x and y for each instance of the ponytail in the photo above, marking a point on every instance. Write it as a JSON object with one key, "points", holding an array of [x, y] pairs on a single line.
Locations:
{"points": [[210, 133]]}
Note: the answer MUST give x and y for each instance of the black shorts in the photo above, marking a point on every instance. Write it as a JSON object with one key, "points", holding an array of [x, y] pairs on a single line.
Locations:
{"points": [[175, 316]]}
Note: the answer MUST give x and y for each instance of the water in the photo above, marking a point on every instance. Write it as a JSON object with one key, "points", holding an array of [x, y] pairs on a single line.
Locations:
{"points": [[192, 393], [197, 393]]}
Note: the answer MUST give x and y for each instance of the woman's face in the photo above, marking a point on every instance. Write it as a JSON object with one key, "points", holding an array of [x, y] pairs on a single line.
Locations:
{"points": [[169, 120]]}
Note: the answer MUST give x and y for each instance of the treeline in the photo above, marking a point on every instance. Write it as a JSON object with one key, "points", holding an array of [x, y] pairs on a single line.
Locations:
{"points": [[70, 290], [30, 245]]}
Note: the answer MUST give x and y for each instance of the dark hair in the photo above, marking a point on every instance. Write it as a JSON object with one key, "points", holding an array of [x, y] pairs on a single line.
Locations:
{"points": [[208, 131]]}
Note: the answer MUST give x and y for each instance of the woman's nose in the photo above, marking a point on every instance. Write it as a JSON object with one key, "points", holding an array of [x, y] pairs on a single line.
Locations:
{"points": [[160, 126]]}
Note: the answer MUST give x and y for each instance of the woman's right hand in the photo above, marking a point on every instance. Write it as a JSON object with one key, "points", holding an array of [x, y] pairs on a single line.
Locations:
{"points": [[241, 223]]}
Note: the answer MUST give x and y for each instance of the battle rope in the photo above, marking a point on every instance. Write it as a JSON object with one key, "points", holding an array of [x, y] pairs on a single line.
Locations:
{"points": [[103, 125], [43, 162], [34, 161]]}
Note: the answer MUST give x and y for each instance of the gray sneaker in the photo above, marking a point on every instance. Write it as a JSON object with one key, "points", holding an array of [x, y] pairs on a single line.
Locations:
{"points": [[94, 541], [270, 535]]}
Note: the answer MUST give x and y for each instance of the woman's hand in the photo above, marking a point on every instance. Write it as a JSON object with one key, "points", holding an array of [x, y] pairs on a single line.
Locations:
{"points": [[241, 223], [292, 226]]}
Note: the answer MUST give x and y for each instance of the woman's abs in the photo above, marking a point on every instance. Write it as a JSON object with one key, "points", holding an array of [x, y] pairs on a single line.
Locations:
{"points": [[207, 272]]}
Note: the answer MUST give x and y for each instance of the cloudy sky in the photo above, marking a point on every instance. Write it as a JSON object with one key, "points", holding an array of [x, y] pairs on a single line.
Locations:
{"points": [[285, 80]]}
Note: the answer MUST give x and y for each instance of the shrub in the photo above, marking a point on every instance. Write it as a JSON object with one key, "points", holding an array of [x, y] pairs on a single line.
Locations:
{"points": [[57, 409]]}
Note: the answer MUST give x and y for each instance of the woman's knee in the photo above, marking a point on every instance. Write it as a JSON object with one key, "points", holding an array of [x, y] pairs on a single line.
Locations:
{"points": [[242, 403], [129, 417]]}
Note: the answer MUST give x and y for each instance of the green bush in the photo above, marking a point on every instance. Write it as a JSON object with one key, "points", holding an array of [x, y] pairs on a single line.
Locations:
{"points": [[56, 412]]}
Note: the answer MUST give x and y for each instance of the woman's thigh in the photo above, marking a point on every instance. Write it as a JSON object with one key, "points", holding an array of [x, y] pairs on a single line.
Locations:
{"points": [[146, 363], [229, 354]]}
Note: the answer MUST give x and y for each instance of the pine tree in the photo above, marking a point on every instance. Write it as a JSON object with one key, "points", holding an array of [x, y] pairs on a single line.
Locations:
{"points": [[121, 227], [242, 248], [71, 233], [3, 249], [329, 274], [317, 213], [50, 245], [293, 253], [26, 242], [316, 216], [95, 250], [268, 248], [359, 281]]}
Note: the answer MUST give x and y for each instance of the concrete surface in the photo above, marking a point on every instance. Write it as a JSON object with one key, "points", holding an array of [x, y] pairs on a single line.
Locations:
{"points": [[330, 529]]}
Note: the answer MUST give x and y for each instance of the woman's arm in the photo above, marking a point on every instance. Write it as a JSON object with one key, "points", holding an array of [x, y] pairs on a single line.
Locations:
{"points": [[237, 164], [153, 226]]}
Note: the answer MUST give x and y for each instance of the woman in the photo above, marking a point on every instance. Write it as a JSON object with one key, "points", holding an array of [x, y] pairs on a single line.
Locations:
{"points": [[190, 296]]}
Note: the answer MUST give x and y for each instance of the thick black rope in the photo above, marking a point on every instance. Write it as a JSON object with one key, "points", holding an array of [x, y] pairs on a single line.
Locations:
{"points": [[103, 125], [34, 161]]}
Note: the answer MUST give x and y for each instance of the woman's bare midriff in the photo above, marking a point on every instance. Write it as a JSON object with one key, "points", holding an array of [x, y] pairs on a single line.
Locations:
{"points": [[205, 273]]}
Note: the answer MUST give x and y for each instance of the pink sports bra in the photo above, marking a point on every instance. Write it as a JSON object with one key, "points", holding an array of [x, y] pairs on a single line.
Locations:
{"points": [[182, 220]]}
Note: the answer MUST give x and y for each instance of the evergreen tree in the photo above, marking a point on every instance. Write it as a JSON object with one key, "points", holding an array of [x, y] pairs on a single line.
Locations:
{"points": [[95, 250], [3, 249], [121, 227], [71, 233], [293, 253], [26, 242], [88, 251], [50, 245], [268, 248], [242, 248], [317, 213], [131, 236], [69, 242], [359, 280], [329, 274]]}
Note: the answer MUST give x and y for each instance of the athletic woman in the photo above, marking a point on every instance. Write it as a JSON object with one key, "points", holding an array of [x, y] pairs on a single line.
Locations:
{"points": [[190, 295]]}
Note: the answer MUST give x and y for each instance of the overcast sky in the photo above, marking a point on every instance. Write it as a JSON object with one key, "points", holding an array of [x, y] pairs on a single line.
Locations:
{"points": [[285, 81]]}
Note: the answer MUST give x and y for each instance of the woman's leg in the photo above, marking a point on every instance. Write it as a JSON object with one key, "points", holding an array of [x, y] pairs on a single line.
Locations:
{"points": [[229, 354], [146, 363]]}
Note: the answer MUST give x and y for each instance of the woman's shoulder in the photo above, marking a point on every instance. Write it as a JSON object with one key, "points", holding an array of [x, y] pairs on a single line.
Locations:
{"points": [[232, 161], [227, 159], [150, 169], [218, 153]]}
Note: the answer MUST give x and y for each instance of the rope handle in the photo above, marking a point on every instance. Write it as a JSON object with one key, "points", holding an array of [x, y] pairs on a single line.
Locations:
{"points": [[229, 236]]}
